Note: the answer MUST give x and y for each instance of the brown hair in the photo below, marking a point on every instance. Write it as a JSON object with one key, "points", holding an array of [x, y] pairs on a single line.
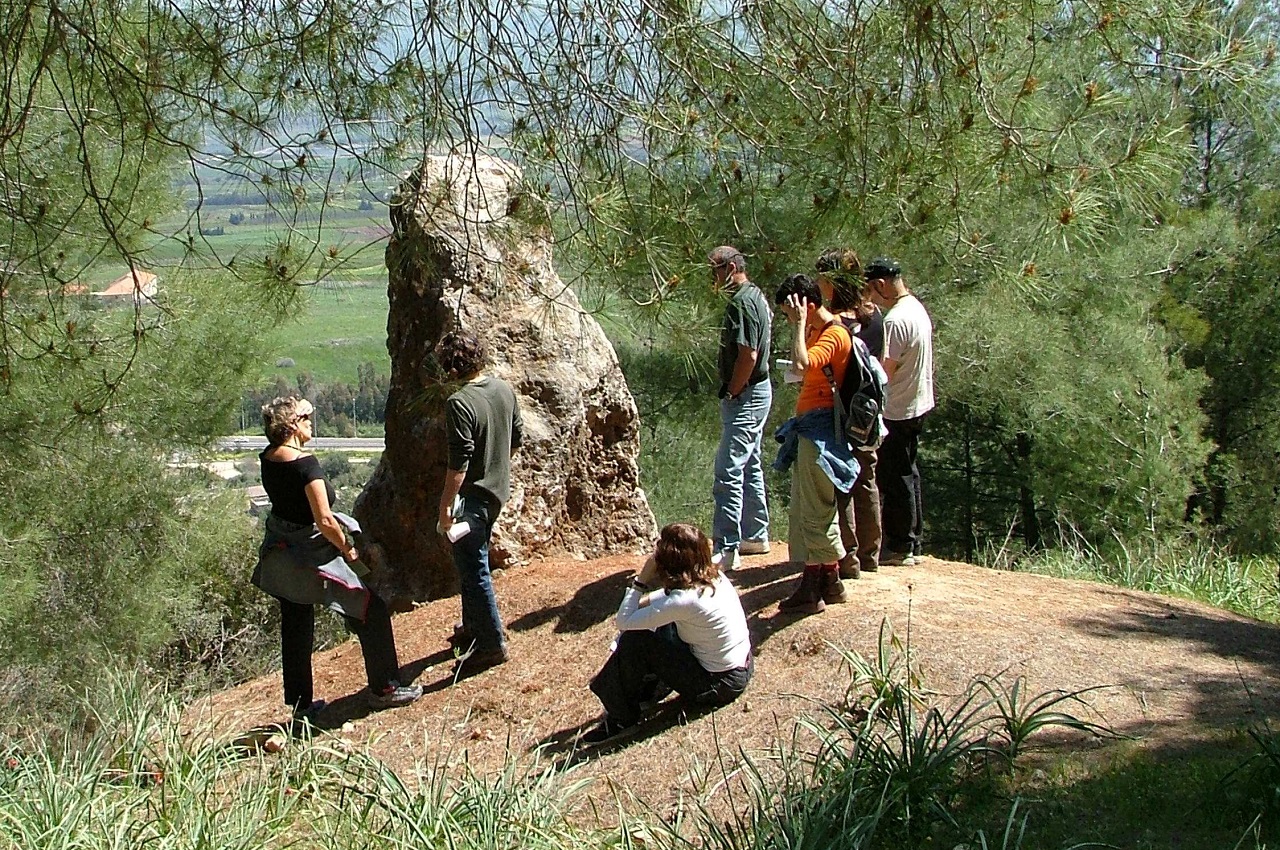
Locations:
{"points": [[461, 354], [683, 556], [843, 268]]}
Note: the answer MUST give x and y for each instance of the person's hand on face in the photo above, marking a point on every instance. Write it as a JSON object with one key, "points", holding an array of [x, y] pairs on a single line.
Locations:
{"points": [[797, 307]]}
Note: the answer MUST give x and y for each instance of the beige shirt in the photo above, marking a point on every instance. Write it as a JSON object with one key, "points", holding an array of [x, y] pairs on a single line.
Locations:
{"points": [[908, 341]]}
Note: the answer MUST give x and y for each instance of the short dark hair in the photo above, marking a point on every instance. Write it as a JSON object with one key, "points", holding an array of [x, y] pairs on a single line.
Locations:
{"points": [[798, 284], [727, 255], [883, 267], [683, 556], [461, 353]]}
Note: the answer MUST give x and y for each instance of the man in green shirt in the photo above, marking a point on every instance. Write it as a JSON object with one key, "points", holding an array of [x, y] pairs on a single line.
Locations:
{"points": [[483, 427], [740, 522]]}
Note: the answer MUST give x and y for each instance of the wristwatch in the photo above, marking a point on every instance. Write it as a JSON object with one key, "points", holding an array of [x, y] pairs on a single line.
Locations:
{"points": [[638, 584]]}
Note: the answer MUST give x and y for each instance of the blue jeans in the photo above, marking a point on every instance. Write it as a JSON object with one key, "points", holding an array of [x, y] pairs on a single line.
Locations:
{"points": [[471, 559], [740, 509]]}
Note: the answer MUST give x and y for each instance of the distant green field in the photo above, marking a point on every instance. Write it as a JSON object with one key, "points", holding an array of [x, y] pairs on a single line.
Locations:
{"points": [[344, 320], [341, 327]]}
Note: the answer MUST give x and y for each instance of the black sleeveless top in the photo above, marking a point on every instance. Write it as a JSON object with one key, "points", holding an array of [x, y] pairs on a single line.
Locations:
{"points": [[286, 485]]}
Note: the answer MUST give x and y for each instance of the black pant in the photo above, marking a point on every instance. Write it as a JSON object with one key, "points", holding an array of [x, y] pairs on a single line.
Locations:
{"points": [[643, 658], [899, 479], [297, 638]]}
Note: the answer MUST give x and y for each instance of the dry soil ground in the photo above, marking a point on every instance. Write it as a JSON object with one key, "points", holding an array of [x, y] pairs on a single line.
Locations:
{"points": [[1180, 670]]}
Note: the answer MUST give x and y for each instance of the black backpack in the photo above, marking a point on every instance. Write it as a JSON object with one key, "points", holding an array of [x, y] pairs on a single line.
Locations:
{"points": [[859, 400]]}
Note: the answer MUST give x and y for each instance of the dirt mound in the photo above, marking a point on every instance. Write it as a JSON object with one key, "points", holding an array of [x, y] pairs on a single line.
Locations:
{"points": [[1178, 668]]}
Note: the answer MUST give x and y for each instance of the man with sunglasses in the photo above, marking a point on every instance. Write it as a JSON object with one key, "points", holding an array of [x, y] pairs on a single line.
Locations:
{"points": [[740, 522], [908, 361]]}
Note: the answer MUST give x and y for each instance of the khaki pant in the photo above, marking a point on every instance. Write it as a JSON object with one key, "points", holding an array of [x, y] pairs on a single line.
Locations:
{"points": [[813, 534]]}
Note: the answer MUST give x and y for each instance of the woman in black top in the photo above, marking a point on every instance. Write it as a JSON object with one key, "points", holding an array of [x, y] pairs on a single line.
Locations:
{"points": [[306, 559]]}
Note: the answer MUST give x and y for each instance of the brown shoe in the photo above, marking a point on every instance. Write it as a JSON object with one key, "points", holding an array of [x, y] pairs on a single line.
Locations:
{"points": [[832, 587], [808, 596], [849, 566]]}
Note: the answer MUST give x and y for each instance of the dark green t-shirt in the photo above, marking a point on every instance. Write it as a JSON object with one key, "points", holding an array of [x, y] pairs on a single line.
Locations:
{"points": [[747, 321], [483, 427]]}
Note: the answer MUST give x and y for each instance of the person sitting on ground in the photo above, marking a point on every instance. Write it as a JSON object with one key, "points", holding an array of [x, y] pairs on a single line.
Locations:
{"points": [[683, 629], [306, 560], [821, 462]]}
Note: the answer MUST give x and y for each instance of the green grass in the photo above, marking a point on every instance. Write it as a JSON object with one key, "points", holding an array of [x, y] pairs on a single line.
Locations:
{"points": [[889, 765], [339, 328], [1190, 570]]}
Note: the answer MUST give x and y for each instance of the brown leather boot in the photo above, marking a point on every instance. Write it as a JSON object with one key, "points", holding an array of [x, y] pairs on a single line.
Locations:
{"points": [[849, 566], [832, 588], [808, 596]]}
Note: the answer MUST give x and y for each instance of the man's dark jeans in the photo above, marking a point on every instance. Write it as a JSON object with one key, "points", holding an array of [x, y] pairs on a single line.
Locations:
{"points": [[480, 617], [630, 675], [899, 479], [297, 640]]}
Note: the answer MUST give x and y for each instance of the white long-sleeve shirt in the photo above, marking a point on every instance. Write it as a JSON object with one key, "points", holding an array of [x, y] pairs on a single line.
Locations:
{"points": [[712, 623]]}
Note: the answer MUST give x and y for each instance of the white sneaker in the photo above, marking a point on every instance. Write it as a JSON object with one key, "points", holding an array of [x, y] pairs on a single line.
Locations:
{"points": [[726, 560], [754, 547]]}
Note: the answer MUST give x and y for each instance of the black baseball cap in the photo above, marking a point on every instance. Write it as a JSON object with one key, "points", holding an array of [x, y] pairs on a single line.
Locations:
{"points": [[882, 267]]}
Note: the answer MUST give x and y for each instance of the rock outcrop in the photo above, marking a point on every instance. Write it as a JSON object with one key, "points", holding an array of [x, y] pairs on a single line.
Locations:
{"points": [[462, 255]]}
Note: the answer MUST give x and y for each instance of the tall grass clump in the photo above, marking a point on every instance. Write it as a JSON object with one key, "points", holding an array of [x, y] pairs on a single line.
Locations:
{"points": [[130, 779], [893, 765], [1204, 572]]}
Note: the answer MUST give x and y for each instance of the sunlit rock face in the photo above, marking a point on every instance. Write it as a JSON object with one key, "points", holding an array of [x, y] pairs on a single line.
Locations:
{"points": [[463, 255]]}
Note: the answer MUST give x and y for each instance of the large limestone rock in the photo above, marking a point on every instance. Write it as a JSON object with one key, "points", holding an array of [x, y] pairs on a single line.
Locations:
{"points": [[460, 255]]}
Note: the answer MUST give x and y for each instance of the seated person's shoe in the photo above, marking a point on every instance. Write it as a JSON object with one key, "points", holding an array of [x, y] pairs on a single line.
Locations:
{"points": [[394, 695], [482, 659], [754, 547], [658, 691], [606, 731]]}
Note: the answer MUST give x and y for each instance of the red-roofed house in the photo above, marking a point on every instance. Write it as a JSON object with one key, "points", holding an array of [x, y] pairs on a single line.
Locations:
{"points": [[138, 285]]}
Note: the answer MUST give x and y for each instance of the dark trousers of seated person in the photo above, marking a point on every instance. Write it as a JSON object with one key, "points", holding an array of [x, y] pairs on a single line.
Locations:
{"points": [[297, 639], [643, 657]]}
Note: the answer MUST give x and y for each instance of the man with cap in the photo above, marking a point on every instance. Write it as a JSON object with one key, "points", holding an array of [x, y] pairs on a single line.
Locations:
{"points": [[908, 361], [740, 521]]}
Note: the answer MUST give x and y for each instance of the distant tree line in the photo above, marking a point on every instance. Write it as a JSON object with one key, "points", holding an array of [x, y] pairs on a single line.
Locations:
{"points": [[340, 407]]}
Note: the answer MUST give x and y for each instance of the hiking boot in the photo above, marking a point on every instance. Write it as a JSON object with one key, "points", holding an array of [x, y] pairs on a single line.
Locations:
{"points": [[808, 596], [482, 659], [849, 566], [754, 547], [870, 565], [394, 695], [306, 715], [461, 637], [606, 731], [832, 587], [726, 560], [897, 559]]}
